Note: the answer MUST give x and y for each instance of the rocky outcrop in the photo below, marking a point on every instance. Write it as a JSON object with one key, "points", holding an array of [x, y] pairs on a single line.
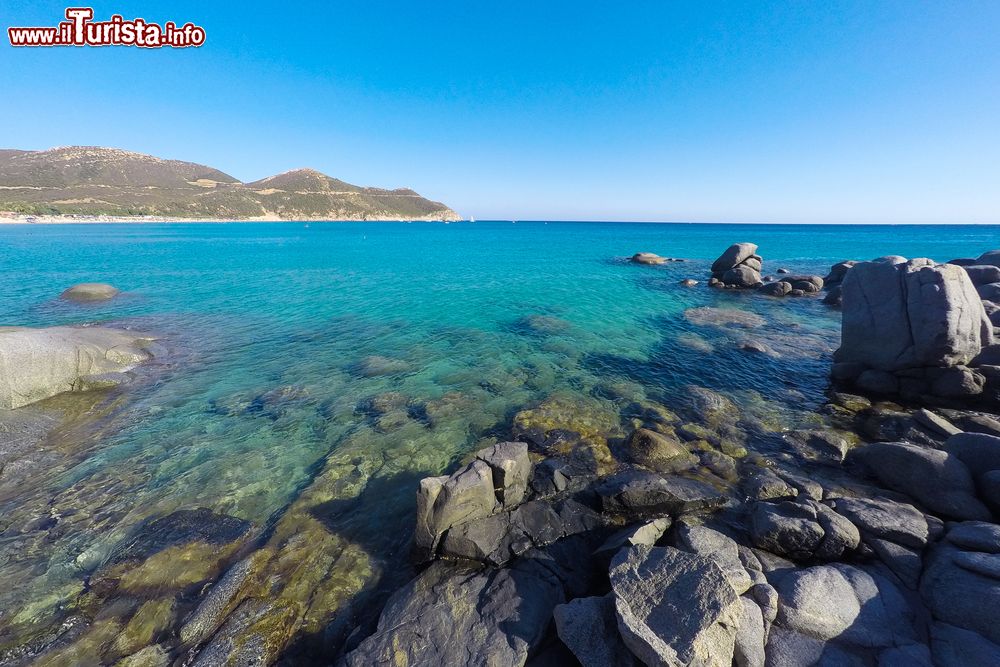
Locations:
{"points": [[802, 529], [912, 328], [739, 266], [496, 479], [36, 364]]}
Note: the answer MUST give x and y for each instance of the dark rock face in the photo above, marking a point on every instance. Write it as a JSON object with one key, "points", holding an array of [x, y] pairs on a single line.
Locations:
{"points": [[638, 494], [452, 615], [498, 478], [960, 591], [802, 530], [937, 479], [589, 628], [674, 608], [779, 288]]}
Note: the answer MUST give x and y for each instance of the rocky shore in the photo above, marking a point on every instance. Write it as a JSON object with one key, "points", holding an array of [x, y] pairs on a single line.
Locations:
{"points": [[712, 534], [885, 553]]}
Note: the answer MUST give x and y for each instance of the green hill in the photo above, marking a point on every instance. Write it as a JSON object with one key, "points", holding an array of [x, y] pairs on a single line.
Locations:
{"points": [[87, 180]]}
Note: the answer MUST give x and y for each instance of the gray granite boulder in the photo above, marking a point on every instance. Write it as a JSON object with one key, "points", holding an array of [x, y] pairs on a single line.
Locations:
{"points": [[991, 258], [886, 519], [937, 479], [734, 255], [638, 494], [741, 276], [802, 529], [957, 647], [36, 364], [453, 615], [495, 480], [675, 608], [777, 288], [589, 628], [958, 591], [983, 274], [647, 258], [911, 315], [846, 603], [975, 536]]}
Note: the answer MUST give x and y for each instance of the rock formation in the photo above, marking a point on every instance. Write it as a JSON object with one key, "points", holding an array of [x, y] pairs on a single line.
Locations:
{"points": [[36, 364], [739, 266], [915, 328]]}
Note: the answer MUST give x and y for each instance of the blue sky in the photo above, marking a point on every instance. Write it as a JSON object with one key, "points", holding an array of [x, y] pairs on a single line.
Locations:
{"points": [[701, 111]]}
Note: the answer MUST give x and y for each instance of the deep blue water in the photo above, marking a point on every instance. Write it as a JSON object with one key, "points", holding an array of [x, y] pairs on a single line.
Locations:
{"points": [[271, 329]]}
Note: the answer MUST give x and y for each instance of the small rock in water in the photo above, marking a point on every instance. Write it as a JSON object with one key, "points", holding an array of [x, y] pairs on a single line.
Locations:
{"points": [[689, 282], [723, 317], [647, 258], [85, 292]]}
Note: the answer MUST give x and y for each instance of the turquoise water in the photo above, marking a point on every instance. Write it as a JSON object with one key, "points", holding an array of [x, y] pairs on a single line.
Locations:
{"points": [[283, 340]]}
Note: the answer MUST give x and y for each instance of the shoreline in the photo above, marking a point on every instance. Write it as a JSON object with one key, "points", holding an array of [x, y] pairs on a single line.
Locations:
{"points": [[147, 219]]}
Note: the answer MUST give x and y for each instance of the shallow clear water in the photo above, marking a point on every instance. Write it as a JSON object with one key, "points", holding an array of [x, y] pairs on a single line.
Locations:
{"points": [[279, 335]]}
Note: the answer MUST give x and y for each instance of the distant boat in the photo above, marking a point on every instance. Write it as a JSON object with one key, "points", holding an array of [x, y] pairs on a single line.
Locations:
{"points": [[472, 219]]}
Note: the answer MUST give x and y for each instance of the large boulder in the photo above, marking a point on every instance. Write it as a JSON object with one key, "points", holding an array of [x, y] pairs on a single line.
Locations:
{"points": [[991, 257], [734, 255], [638, 494], [589, 628], [495, 480], [647, 258], [917, 314], [36, 364], [937, 479], [658, 451], [962, 587], [675, 608], [452, 615], [802, 529]]}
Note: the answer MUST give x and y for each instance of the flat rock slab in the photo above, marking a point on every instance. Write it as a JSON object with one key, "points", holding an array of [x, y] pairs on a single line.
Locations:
{"points": [[674, 608], [36, 364]]}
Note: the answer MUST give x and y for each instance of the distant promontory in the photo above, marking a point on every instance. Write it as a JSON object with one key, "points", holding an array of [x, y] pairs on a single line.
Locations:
{"points": [[88, 181]]}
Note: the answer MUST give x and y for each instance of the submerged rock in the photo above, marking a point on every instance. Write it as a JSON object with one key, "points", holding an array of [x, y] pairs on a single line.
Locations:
{"points": [[658, 451], [88, 292], [36, 364], [723, 317]]}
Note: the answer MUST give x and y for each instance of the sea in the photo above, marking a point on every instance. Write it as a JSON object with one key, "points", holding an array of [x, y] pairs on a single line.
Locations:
{"points": [[296, 352]]}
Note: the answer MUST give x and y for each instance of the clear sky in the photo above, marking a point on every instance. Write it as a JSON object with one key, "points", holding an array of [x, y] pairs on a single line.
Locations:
{"points": [[868, 111]]}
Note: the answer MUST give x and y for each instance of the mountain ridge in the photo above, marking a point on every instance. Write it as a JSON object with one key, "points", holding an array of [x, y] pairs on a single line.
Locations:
{"points": [[99, 181]]}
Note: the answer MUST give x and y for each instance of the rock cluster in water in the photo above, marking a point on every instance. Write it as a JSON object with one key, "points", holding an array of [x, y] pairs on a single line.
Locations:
{"points": [[739, 266]]}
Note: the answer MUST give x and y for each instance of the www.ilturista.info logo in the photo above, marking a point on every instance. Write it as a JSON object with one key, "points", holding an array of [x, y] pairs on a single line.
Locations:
{"points": [[81, 30]]}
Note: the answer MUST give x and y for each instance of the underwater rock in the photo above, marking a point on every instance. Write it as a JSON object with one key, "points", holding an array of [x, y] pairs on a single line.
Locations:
{"points": [[88, 292], [36, 364], [571, 425], [376, 365], [183, 548], [723, 317], [541, 325], [658, 451]]}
